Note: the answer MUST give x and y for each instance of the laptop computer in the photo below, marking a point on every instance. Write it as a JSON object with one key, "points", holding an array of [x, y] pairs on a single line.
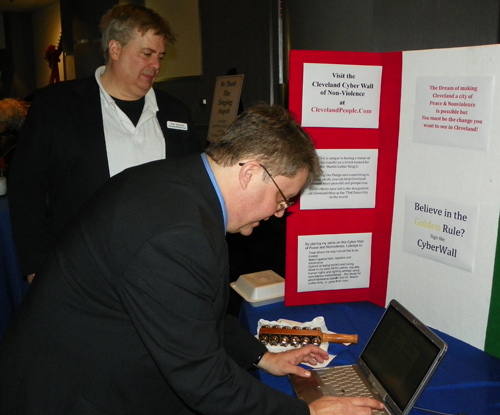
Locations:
{"points": [[394, 367]]}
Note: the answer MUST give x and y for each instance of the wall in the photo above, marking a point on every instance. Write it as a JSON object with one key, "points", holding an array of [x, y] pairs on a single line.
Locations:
{"points": [[16, 60], [330, 25], [390, 25], [22, 63], [81, 36], [46, 31], [427, 24], [183, 58]]}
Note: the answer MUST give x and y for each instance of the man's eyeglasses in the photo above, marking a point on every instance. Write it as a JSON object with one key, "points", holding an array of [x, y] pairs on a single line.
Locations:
{"points": [[285, 203]]}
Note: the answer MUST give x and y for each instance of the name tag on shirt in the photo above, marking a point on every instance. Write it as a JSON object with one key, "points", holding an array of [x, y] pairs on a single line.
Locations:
{"points": [[174, 125]]}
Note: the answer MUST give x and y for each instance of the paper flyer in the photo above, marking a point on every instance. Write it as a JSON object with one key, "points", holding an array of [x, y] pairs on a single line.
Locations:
{"points": [[441, 230], [348, 181], [453, 111], [341, 95], [334, 262]]}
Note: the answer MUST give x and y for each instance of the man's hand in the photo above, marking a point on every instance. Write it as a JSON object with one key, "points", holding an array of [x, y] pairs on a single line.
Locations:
{"points": [[328, 405], [30, 278], [285, 363]]}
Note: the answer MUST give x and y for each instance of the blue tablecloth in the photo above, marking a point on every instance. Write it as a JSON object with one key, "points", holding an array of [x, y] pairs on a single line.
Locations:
{"points": [[12, 285], [466, 382]]}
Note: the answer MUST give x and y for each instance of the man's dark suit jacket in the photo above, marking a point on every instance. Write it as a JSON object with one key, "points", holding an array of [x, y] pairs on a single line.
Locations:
{"points": [[61, 160], [128, 314]]}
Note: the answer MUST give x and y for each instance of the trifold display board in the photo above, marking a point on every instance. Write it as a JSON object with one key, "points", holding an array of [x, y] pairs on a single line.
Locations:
{"points": [[408, 203]]}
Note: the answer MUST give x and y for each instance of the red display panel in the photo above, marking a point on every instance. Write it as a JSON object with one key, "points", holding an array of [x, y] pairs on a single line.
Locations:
{"points": [[377, 221]]}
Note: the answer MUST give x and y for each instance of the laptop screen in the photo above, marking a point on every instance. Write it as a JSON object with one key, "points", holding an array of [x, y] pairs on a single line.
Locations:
{"points": [[399, 355]]}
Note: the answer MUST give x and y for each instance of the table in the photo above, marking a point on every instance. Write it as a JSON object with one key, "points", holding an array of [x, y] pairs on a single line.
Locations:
{"points": [[12, 285], [466, 382]]}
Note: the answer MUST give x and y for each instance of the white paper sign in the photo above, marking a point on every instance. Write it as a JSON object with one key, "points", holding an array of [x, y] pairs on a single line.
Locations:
{"points": [[453, 111], [441, 230], [341, 95], [334, 262], [348, 181]]}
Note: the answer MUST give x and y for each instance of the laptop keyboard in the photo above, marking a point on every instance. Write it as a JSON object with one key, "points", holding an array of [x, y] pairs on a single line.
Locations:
{"points": [[344, 381]]}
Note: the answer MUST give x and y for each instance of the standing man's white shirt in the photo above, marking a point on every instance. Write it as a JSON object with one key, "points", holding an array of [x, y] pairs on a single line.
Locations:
{"points": [[128, 145]]}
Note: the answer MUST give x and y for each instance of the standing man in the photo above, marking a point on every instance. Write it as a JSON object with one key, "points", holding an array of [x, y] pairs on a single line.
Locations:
{"points": [[128, 315], [80, 133]]}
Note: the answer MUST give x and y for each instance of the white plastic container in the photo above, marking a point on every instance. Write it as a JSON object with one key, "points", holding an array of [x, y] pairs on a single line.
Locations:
{"points": [[260, 288]]}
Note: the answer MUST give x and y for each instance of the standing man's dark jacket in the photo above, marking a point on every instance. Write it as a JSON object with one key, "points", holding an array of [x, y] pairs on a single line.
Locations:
{"points": [[128, 314], [61, 160]]}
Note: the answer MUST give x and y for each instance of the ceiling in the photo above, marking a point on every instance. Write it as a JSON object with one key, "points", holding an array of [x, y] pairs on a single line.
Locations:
{"points": [[23, 5]]}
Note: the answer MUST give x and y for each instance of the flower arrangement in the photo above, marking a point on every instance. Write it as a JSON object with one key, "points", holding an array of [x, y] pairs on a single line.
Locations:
{"points": [[12, 115]]}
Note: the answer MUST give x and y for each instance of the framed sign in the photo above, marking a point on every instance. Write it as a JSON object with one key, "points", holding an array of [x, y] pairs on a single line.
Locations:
{"points": [[225, 104]]}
